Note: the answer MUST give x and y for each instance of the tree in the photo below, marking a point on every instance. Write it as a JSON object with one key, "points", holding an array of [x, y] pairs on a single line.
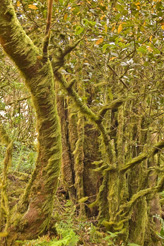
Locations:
{"points": [[32, 215]]}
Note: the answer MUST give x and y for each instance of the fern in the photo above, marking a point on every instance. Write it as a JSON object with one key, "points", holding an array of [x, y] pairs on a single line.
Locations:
{"points": [[69, 239]]}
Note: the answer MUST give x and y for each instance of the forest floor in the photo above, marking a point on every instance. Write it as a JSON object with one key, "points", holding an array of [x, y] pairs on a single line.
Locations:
{"points": [[72, 230]]}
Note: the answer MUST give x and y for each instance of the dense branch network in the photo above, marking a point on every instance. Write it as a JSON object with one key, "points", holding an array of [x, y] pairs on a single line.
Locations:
{"points": [[98, 121]]}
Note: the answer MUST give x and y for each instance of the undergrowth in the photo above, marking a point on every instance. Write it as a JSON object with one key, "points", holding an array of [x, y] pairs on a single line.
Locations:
{"points": [[74, 231]]}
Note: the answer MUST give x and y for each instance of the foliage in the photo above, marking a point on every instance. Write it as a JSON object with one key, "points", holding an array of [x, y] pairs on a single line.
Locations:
{"points": [[23, 158], [67, 238]]}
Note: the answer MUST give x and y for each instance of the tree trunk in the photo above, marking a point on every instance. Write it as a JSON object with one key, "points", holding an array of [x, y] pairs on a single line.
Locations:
{"points": [[32, 216], [67, 159]]}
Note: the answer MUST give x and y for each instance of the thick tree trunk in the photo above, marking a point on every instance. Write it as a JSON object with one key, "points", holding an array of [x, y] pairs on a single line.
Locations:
{"points": [[92, 179], [34, 211]]}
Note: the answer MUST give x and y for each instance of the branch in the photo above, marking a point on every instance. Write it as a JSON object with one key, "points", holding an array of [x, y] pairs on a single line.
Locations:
{"points": [[47, 33], [117, 76], [127, 206], [69, 48], [113, 105], [133, 162], [155, 149], [19, 100], [58, 60], [71, 92], [49, 16]]}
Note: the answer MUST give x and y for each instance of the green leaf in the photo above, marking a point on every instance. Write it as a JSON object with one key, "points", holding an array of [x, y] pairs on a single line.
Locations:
{"points": [[105, 46], [142, 49], [79, 30], [89, 23]]}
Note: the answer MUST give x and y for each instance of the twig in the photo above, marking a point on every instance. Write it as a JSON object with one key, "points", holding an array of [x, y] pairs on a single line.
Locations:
{"points": [[117, 76]]}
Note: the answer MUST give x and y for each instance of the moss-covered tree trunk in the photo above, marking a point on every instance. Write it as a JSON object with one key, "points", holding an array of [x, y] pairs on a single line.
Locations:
{"points": [[4, 203], [79, 156], [32, 216], [67, 158], [139, 219], [154, 208], [92, 179]]}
